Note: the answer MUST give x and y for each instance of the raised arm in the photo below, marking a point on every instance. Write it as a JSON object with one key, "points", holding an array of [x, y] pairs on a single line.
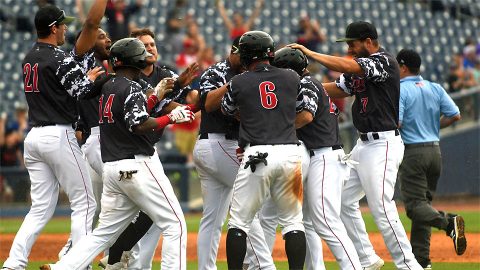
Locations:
{"points": [[335, 63], [255, 14], [223, 13], [87, 38]]}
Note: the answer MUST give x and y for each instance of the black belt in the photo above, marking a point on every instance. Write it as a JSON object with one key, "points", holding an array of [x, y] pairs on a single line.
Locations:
{"points": [[413, 145], [204, 136], [335, 147], [255, 144], [44, 124], [375, 136]]}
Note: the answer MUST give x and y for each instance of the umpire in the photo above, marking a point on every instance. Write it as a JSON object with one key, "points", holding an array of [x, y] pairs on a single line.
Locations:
{"points": [[425, 107]]}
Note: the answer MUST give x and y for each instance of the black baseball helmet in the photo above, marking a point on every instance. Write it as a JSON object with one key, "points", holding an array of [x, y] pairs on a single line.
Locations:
{"points": [[256, 45], [130, 52], [291, 58]]}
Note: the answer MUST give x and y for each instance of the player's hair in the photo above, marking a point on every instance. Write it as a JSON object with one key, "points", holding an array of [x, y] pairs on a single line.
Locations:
{"points": [[43, 33], [414, 70], [142, 32]]}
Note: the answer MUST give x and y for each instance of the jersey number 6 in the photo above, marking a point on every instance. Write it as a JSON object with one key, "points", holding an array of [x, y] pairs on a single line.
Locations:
{"points": [[267, 97], [107, 110]]}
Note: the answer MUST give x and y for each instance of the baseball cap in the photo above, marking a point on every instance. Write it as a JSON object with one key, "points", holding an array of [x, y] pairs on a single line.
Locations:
{"points": [[235, 45], [409, 58], [50, 15], [359, 30]]}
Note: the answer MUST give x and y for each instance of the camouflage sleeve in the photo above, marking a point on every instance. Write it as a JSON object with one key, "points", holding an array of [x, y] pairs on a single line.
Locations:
{"points": [[73, 78], [135, 107], [310, 95], [211, 79], [346, 83], [375, 67], [229, 105], [85, 61]]}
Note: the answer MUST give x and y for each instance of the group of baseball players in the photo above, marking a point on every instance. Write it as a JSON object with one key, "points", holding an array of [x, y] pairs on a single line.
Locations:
{"points": [[269, 151]]}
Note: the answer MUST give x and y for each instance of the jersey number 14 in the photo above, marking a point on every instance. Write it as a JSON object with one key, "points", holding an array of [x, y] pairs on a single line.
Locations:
{"points": [[107, 110]]}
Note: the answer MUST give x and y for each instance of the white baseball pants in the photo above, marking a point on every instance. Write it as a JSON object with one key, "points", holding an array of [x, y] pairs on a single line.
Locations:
{"points": [[53, 160], [326, 177], [269, 223], [281, 178], [217, 166], [148, 190], [375, 176]]}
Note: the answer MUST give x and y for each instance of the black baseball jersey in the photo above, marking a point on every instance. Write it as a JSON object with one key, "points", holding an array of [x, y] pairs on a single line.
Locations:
{"points": [[53, 81], [216, 122], [323, 130], [377, 92], [178, 94], [88, 109], [123, 106], [266, 99]]}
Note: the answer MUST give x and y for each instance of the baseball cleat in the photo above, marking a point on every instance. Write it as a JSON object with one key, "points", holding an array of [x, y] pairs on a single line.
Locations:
{"points": [[45, 267], [376, 266], [429, 267], [458, 235]]}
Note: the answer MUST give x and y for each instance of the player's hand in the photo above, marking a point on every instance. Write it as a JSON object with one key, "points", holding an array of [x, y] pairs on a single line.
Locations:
{"points": [[164, 87], [94, 73], [300, 47], [188, 75], [181, 114]]}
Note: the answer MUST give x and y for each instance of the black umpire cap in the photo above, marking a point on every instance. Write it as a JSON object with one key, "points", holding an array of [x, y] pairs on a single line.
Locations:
{"points": [[50, 15], [358, 31], [409, 58]]}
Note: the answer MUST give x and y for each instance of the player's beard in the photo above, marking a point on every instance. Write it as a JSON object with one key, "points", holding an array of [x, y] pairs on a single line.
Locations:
{"points": [[362, 53]]}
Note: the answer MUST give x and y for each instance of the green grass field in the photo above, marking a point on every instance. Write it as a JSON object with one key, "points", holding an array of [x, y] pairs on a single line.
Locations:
{"points": [[284, 266], [62, 225]]}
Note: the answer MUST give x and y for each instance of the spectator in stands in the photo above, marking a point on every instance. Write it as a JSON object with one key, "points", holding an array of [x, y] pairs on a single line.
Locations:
{"points": [[193, 46], [237, 26], [469, 54], [425, 107], [309, 33], [455, 77], [11, 155], [118, 14], [206, 58], [177, 19], [83, 6]]}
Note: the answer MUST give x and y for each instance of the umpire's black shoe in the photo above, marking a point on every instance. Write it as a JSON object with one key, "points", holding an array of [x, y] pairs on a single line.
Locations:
{"points": [[458, 234]]}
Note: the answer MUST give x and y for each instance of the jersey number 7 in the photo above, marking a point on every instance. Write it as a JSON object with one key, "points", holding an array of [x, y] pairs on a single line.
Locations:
{"points": [[107, 110]]}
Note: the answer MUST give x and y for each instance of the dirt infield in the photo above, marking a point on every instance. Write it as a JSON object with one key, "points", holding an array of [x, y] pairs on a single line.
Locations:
{"points": [[48, 245]]}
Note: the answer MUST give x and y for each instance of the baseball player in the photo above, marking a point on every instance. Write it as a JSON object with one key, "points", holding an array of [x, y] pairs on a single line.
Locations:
{"points": [[318, 128], [265, 99], [216, 162], [53, 81], [421, 104], [373, 77], [91, 48], [133, 175], [158, 104]]}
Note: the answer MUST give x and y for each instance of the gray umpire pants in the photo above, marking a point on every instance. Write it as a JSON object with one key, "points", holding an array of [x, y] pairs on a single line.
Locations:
{"points": [[418, 175]]}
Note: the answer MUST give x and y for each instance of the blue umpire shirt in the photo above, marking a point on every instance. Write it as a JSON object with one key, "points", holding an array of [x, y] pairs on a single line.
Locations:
{"points": [[421, 105]]}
